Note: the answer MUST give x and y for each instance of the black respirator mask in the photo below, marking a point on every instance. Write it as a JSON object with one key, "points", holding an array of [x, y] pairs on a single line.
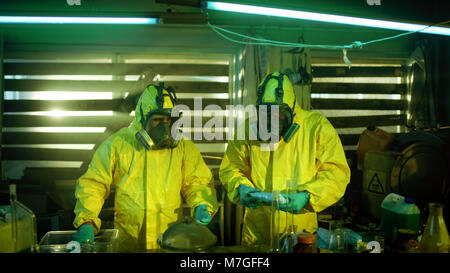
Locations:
{"points": [[284, 116], [162, 137], [267, 116]]}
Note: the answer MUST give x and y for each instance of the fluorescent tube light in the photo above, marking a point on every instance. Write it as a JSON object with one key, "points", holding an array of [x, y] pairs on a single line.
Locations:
{"points": [[61, 113], [53, 129], [321, 17], [57, 95], [76, 20], [52, 146]]}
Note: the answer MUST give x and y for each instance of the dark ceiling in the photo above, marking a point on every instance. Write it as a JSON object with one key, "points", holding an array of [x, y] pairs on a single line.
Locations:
{"points": [[430, 11], [184, 25]]}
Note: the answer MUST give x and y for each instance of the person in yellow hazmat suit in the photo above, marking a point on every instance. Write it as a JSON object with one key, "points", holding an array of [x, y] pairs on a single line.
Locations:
{"points": [[151, 170], [307, 164]]}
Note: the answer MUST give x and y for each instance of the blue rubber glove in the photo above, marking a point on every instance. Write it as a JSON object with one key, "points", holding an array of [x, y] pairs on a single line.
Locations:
{"points": [[247, 199], [202, 215], [85, 233], [296, 202]]}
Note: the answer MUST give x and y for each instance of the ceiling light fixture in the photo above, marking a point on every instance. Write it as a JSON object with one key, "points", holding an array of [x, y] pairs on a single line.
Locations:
{"points": [[76, 20], [322, 17]]}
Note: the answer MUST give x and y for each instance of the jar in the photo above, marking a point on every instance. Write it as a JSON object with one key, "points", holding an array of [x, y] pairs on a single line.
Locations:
{"points": [[404, 242], [306, 243]]}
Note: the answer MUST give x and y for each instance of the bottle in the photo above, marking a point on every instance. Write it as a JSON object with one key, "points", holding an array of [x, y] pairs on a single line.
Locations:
{"points": [[306, 243], [412, 246], [404, 242], [337, 241], [435, 236]]}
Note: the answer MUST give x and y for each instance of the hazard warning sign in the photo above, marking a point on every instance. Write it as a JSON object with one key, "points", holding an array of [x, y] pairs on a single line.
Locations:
{"points": [[375, 185]]}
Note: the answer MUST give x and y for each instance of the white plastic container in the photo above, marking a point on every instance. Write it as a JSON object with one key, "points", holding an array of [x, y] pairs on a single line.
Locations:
{"points": [[398, 212]]}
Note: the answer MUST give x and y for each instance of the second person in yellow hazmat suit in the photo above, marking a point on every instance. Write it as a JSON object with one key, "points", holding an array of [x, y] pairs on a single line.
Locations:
{"points": [[309, 154], [151, 171]]}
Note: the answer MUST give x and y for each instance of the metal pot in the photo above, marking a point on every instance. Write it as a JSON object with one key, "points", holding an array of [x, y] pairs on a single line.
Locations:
{"points": [[187, 236]]}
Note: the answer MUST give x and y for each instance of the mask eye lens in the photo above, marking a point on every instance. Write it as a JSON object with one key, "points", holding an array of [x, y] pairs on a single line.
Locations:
{"points": [[155, 121]]}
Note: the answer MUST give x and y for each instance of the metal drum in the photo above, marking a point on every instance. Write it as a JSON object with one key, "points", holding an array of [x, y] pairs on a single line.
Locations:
{"points": [[421, 173]]}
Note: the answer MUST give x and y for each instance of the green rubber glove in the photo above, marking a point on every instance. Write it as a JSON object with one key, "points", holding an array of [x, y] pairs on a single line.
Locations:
{"points": [[202, 215], [247, 199], [296, 202], [84, 233]]}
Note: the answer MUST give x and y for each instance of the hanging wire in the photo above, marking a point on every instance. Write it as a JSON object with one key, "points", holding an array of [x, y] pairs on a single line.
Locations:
{"points": [[260, 41], [404, 34]]}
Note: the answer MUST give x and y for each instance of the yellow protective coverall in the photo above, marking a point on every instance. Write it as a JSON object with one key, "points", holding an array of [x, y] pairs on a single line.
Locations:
{"points": [[148, 184], [313, 159]]}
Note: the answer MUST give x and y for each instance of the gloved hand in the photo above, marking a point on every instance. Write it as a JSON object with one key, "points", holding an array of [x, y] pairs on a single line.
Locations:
{"points": [[202, 215], [84, 233], [247, 199], [296, 201]]}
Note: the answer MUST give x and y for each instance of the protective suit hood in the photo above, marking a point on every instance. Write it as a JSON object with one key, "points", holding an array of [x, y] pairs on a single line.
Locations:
{"points": [[154, 100], [276, 88]]}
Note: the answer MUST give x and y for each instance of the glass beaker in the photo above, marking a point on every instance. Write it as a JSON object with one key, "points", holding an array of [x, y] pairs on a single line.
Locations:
{"points": [[435, 236], [289, 234], [275, 223], [337, 241]]}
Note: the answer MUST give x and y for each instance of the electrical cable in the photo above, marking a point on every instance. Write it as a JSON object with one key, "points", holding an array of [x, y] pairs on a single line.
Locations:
{"points": [[271, 42], [260, 41], [403, 34]]}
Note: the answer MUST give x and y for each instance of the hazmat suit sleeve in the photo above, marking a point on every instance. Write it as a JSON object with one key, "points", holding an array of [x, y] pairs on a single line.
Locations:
{"points": [[93, 187], [332, 170], [198, 184], [235, 168]]}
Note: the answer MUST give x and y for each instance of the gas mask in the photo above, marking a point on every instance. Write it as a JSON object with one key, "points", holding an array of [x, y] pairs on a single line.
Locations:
{"points": [[159, 135], [273, 114], [162, 137], [157, 138], [275, 122]]}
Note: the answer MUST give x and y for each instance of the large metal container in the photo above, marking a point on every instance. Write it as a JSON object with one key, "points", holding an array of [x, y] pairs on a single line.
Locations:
{"points": [[57, 242]]}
